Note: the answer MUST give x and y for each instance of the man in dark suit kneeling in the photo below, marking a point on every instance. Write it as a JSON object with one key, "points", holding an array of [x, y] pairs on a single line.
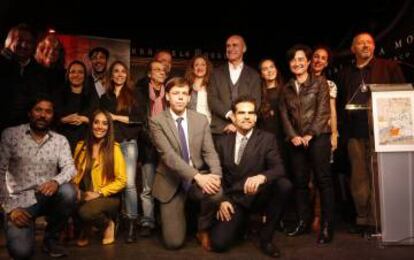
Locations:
{"points": [[253, 180]]}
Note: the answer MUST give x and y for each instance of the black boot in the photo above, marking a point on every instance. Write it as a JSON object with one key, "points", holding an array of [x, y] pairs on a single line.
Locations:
{"points": [[326, 234], [302, 228], [131, 236]]}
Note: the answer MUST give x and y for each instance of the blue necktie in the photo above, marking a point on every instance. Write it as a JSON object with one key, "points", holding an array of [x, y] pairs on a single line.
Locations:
{"points": [[184, 151]]}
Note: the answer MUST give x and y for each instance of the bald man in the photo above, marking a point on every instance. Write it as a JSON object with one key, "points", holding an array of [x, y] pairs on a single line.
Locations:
{"points": [[354, 79], [228, 82]]}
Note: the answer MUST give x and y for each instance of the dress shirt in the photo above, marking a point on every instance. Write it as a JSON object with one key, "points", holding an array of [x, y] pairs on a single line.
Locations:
{"points": [[235, 72], [25, 164]]}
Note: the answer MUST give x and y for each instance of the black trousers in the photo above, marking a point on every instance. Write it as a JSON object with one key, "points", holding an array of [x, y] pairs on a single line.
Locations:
{"points": [[271, 199], [314, 158]]}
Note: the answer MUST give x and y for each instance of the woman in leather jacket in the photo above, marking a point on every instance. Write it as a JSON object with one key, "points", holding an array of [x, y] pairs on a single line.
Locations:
{"points": [[305, 113]]}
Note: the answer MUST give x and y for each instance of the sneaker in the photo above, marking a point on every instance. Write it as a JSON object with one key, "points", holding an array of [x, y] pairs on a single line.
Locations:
{"points": [[54, 250]]}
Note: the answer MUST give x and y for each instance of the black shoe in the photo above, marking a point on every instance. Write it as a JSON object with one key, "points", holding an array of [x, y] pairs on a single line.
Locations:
{"points": [[355, 229], [270, 249], [53, 249], [326, 234], [145, 231], [131, 236], [300, 229]]}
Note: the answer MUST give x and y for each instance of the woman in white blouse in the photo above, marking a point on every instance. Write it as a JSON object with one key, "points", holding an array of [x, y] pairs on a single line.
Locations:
{"points": [[198, 74]]}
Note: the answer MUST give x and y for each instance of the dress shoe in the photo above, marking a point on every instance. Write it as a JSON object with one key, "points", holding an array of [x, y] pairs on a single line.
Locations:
{"points": [[204, 239], [270, 249], [131, 236], [109, 234], [300, 229], [326, 234], [83, 239]]}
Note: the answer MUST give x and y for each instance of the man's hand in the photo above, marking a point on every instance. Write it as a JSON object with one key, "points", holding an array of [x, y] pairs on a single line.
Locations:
{"points": [[48, 188], [225, 211], [251, 186], [306, 139], [20, 217], [209, 183], [230, 128], [91, 195], [296, 141]]}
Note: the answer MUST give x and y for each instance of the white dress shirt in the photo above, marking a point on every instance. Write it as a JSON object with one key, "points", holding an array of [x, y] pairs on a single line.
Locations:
{"points": [[235, 72]]}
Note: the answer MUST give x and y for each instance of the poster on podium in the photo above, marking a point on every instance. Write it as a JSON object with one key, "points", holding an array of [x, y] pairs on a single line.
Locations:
{"points": [[393, 120]]}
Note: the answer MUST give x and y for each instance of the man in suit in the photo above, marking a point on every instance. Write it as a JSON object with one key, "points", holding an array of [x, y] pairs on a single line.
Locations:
{"points": [[189, 165], [228, 82], [253, 180]]}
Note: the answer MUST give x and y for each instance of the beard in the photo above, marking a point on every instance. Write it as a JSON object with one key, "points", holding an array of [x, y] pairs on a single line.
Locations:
{"points": [[40, 125]]}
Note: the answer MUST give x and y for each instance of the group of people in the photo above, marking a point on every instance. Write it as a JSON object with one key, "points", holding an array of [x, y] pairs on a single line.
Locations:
{"points": [[237, 141]]}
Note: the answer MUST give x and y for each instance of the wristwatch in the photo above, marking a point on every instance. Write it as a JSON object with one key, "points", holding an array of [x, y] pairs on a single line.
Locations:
{"points": [[100, 194]]}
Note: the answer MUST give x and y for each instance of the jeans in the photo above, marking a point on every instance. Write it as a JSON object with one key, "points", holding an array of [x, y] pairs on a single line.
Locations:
{"points": [[57, 208], [148, 173], [130, 152]]}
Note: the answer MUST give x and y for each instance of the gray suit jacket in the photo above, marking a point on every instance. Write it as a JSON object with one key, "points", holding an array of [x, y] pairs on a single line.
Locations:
{"points": [[172, 169], [219, 93]]}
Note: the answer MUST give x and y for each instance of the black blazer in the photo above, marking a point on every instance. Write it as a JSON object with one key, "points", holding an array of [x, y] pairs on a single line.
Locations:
{"points": [[261, 156], [219, 93]]}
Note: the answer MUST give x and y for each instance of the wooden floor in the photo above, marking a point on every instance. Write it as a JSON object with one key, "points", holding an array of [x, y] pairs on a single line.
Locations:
{"points": [[344, 246]]}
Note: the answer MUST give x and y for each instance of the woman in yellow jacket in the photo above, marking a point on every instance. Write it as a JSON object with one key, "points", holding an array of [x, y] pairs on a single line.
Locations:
{"points": [[101, 176]]}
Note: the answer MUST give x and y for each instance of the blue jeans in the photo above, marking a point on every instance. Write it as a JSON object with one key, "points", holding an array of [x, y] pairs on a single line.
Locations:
{"points": [[148, 173], [130, 152], [57, 208]]}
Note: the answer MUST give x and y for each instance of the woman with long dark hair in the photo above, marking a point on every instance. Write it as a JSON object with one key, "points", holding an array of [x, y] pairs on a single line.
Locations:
{"points": [[101, 176], [305, 113], [120, 100]]}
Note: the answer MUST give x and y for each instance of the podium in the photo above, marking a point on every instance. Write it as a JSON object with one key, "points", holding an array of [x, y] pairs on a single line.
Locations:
{"points": [[392, 122]]}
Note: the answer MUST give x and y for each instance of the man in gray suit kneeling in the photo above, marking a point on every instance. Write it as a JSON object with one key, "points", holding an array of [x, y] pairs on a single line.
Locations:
{"points": [[189, 165]]}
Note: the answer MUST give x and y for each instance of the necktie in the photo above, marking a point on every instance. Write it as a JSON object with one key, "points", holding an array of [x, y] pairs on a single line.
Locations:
{"points": [[184, 151], [242, 146]]}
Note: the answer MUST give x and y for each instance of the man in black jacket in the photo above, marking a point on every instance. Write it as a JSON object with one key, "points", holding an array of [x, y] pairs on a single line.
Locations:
{"points": [[354, 78]]}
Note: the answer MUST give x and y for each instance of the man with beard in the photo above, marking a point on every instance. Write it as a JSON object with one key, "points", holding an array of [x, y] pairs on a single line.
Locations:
{"points": [[99, 57], [35, 168], [355, 78], [253, 180]]}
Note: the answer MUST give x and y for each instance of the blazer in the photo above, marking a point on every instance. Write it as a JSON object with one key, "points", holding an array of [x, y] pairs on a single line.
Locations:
{"points": [[98, 182], [219, 93], [172, 169], [261, 156]]}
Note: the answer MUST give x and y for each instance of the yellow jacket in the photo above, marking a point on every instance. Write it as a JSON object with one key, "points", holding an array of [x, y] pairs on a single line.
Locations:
{"points": [[100, 184]]}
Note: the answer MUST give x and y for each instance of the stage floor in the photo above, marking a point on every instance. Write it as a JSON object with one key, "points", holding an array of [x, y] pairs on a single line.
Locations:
{"points": [[344, 246]]}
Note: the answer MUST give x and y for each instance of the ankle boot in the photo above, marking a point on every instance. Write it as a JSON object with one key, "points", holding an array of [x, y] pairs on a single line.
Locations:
{"points": [[326, 234], [302, 228], [131, 236]]}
